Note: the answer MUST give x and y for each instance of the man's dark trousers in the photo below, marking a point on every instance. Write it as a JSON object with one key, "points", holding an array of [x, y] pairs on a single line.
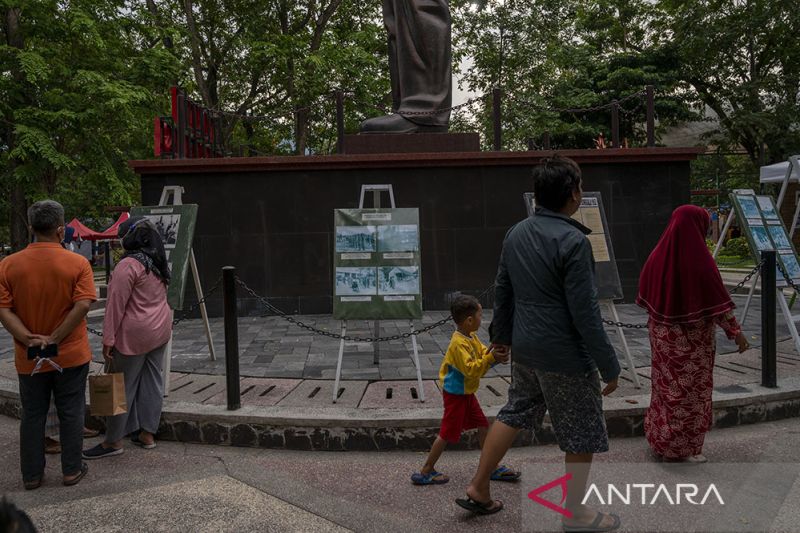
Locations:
{"points": [[69, 390]]}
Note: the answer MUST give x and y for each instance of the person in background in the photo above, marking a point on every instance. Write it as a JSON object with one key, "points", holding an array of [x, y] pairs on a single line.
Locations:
{"points": [[51, 444], [682, 291], [45, 294], [137, 327]]}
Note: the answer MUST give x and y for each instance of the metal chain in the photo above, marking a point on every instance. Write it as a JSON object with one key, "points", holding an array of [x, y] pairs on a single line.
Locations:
{"points": [[747, 278], [787, 278], [194, 306], [739, 286], [184, 314], [299, 323], [578, 110]]}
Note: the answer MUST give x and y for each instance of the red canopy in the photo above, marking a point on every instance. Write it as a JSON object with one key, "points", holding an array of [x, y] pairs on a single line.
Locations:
{"points": [[111, 232], [86, 234]]}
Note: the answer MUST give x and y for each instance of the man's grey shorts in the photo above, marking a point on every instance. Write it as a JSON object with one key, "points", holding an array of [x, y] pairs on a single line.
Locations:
{"points": [[574, 402]]}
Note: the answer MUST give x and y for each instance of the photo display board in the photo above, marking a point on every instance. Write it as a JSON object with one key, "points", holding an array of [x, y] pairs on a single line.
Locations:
{"points": [[176, 225], [764, 230], [592, 215], [377, 266]]}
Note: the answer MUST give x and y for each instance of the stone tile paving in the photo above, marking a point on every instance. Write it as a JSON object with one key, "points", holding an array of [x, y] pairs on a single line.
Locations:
{"points": [[272, 347]]}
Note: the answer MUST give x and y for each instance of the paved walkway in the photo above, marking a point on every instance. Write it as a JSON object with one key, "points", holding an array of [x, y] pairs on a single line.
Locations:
{"points": [[187, 487], [272, 347]]}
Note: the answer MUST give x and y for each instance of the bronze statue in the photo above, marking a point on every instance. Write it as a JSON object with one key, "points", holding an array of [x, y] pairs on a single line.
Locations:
{"points": [[419, 67]]}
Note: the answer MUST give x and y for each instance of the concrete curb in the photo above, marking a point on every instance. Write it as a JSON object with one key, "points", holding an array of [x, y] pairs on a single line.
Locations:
{"points": [[346, 429]]}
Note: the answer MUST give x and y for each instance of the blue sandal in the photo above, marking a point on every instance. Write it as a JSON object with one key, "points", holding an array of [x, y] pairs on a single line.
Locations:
{"points": [[504, 473], [434, 478]]}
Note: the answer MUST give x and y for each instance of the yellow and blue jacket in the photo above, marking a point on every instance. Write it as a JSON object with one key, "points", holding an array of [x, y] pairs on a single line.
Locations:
{"points": [[464, 364]]}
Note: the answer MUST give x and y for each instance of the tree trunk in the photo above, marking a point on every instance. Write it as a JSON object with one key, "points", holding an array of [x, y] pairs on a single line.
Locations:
{"points": [[301, 121]]}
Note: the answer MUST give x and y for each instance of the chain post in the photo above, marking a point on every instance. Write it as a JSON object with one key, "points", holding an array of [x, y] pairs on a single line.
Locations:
{"points": [[231, 338], [769, 365]]}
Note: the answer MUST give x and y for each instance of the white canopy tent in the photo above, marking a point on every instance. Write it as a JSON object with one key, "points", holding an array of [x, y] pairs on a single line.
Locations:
{"points": [[784, 173]]}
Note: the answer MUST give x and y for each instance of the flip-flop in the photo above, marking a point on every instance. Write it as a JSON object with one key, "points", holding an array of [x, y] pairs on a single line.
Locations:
{"points": [[480, 508], [594, 527], [79, 477], [504, 473], [434, 478]]}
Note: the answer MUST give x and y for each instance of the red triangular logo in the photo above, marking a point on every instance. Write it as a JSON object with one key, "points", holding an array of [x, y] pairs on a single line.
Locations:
{"points": [[560, 482]]}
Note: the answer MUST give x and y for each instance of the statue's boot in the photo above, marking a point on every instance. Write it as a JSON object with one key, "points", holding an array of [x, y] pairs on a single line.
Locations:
{"points": [[398, 124]]}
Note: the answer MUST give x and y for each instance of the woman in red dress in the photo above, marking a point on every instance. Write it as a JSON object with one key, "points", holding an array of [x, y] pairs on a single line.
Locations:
{"points": [[682, 291]]}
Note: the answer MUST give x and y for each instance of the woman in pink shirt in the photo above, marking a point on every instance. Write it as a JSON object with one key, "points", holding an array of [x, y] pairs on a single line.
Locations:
{"points": [[137, 327]]}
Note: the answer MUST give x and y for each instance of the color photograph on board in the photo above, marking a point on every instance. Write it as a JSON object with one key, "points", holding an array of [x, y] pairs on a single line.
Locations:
{"points": [[398, 238], [779, 237], [761, 237], [355, 281], [398, 280], [749, 206], [790, 264], [767, 208], [355, 239]]}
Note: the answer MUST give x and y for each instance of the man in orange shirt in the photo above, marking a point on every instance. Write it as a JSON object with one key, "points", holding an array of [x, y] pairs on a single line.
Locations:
{"points": [[45, 294]]}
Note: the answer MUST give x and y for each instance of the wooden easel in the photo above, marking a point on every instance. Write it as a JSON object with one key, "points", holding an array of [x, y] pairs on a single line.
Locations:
{"points": [[376, 191], [177, 199]]}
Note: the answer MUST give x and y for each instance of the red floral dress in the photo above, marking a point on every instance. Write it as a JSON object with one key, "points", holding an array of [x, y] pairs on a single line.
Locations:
{"points": [[682, 377]]}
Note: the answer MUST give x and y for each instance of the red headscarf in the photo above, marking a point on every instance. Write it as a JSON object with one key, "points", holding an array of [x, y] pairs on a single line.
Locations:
{"points": [[680, 282]]}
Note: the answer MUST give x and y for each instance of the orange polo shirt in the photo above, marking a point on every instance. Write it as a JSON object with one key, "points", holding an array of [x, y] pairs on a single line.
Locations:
{"points": [[41, 284]]}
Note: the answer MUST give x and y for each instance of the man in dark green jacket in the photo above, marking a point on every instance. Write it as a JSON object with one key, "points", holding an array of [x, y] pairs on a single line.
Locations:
{"points": [[546, 308]]}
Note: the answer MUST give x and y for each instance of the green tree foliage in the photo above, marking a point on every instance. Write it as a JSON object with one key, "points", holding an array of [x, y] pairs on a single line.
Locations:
{"points": [[738, 58], [281, 60], [741, 58], [552, 56], [80, 84]]}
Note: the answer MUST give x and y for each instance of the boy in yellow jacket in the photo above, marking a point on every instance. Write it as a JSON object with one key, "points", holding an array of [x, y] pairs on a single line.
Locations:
{"points": [[464, 364]]}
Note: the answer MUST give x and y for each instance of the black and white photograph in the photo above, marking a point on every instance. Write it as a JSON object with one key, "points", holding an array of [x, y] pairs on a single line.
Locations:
{"points": [[398, 238], [355, 281], [355, 239], [167, 226], [790, 264], [780, 238], [767, 209], [749, 206], [761, 237], [398, 280]]}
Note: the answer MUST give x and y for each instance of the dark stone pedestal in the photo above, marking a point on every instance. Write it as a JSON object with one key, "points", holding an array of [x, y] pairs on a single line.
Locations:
{"points": [[408, 143], [272, 217]]}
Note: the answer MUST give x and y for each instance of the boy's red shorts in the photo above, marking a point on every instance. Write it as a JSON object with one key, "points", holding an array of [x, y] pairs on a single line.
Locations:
{"points": [[461, 412]]}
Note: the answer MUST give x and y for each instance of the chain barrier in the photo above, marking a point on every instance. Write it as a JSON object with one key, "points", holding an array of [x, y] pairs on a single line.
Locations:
{"points": [[400, 336], [299, 323], [748, 277], [787, 278], [184, 314], [579, 110], [285, 113], [738, 287]]}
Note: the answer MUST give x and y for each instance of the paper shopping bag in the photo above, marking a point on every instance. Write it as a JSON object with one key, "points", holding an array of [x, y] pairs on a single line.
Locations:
{"points": [[107, 394]]}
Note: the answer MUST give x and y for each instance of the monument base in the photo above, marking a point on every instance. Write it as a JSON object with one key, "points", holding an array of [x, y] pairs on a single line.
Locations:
{"points": [[407, 143], [272, 217]]}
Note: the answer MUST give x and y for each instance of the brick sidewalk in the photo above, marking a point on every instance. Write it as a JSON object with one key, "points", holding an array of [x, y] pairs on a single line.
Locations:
{"points": [[271, 347]]}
